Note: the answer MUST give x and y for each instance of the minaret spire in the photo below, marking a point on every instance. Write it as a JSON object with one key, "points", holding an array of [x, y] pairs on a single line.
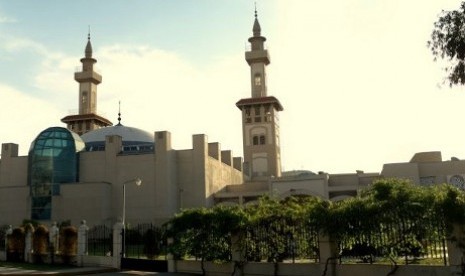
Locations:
{"points": [[256, 25], [88, 79], [119, 113], [88, 51]]}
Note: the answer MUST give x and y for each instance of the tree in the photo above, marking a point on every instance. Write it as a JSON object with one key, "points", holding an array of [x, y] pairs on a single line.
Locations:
{"points": [[448, 42]]}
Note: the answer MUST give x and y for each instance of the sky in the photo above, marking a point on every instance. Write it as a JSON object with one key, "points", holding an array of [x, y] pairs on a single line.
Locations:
{"points": [[358, 84]]}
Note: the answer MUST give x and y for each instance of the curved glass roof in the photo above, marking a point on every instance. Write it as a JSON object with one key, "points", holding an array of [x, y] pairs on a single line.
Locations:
{"points": [[53, 161], [134, 139], [56, 138]]}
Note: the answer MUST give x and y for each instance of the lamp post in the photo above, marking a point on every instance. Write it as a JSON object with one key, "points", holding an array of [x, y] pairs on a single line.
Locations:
{"points": [[138, 182]]}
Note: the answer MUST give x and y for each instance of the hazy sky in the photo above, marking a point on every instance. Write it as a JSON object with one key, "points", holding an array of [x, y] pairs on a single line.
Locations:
{"points": [[358, 84]]}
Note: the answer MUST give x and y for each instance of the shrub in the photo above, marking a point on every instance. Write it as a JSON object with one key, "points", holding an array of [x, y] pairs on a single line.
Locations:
{"points": [[40, 243], [68, 243]]}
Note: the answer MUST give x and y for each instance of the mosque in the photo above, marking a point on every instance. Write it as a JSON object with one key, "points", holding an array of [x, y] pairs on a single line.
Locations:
{"points": [[100, 172]]}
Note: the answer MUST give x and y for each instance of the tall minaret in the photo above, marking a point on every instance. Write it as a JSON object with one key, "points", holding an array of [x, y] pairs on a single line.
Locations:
{"points": [[260, 123], [88, 79]]}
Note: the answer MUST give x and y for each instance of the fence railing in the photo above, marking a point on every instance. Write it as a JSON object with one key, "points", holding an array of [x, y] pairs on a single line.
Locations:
{"points": [[279, 241], [404, 240], [100, 240], [144, 241], [3, 237]]}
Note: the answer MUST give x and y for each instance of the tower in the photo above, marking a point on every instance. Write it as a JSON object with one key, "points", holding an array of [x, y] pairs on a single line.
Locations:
{"points": [[87, 119], [260, 123]]}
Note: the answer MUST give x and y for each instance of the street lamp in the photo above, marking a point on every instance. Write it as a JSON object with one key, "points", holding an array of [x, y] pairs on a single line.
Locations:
{"points": [[138, 182]]}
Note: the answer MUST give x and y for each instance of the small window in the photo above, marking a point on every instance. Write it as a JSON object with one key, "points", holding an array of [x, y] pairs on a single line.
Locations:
{"points": [[248, 120], [258, 119], [257, 111], [258, 80], [84, 97], [262, 139], [247, 111], [255, 140]]}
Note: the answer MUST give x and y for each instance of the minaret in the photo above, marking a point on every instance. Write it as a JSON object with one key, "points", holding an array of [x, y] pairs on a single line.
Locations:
{"points": [[260, 123], [88, 79]]}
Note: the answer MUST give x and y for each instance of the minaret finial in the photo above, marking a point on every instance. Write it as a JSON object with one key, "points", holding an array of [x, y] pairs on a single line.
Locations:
{"points": [[88, 51], [256, 25], [255, 9], [119, 113]]}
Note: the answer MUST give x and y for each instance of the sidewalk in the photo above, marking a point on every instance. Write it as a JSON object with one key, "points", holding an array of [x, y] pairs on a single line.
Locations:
{"points": [[67, 271], [80, 271]]}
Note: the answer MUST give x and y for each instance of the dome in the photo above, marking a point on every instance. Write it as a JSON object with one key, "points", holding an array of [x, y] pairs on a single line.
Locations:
{"points": [[134, 139]]}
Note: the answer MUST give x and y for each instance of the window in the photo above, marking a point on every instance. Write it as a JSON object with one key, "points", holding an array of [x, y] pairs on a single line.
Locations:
{"points": [[258, 140], [84, 97], [255, 140], [257, 111], [258, 119], [247, 111], [52, 160], [258, 80]]}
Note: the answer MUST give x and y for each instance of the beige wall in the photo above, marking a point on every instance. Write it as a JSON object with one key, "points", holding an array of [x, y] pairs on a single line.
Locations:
{"points": [[171, 180]]}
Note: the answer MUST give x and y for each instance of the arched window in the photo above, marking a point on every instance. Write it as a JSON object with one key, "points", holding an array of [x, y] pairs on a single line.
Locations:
{"points": [[255, 140], [258, 80], [262, 140]]}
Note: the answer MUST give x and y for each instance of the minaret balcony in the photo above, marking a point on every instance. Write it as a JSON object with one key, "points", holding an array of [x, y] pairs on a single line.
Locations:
{"points": [[88, 76], [257, 56]]}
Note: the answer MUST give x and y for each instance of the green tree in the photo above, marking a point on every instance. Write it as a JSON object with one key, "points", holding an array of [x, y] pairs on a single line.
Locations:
{"points": [[448, 42], [205, 233]]}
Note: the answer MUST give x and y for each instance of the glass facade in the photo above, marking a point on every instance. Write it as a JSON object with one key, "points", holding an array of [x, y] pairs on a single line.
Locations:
{"points": [[53, 160]]}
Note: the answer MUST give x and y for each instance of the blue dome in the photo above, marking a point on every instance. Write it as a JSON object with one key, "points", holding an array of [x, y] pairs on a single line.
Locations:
{"points": [[134, 139]]}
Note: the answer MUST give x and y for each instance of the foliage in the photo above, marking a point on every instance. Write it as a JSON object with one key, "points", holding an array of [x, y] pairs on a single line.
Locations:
{"points": [[68, 243], [280, 229], [40, 242], [26, 222], [205, 233], [448, 41], [153, 239], [391, 218], [16, 244]]}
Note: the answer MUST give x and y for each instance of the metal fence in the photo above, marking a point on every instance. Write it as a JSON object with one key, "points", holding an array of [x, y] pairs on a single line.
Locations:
{"points": [[404, 240], [3, 237], [144, 241], [100, 240], [281, 241]]}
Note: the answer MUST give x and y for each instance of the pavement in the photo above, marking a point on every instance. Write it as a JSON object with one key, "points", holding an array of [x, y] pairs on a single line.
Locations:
{"points": [[82, 271], [67, 271]]}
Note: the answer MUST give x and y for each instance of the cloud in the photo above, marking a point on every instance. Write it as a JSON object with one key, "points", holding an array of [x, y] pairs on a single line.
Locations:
{"points": [[161, 91], [24, 117], [6, 19]]}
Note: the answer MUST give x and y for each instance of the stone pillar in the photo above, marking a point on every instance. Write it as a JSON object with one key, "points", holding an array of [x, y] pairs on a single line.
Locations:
{"points": [[8, 233], [455, 253], [170, 258], [82, 238], [82, 242], [28, 244], [237, 254], [117, 244], [53, 236], [328, 253]]}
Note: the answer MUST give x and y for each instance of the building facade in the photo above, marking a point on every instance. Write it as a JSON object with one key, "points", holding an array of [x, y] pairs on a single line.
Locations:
{"points": [[89, 170]]}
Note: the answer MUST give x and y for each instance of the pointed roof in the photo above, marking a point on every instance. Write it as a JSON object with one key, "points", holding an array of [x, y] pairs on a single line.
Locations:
{"points": [[256, 25], [88, 50]]}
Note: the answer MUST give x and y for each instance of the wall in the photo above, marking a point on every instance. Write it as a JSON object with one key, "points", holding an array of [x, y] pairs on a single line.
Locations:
{"points": [[77, 201], [301, 269]]}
